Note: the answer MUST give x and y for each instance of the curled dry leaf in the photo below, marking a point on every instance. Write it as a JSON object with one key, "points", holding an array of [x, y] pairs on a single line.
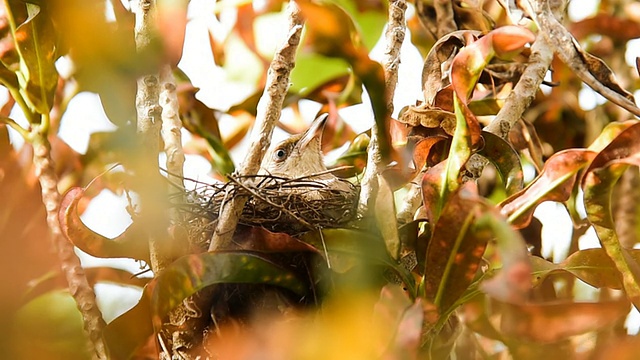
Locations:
{"points": [[434, 79], [424, 115]]}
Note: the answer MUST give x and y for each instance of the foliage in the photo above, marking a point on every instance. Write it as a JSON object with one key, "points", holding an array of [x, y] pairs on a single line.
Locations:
{"points": [[464, 273]]}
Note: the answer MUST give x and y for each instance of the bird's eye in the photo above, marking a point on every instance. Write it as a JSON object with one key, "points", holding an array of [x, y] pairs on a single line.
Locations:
{"points": [[280, 155]]}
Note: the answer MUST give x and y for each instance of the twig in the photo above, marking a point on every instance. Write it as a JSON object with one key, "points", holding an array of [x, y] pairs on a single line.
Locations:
{"points": [[277, 206], [269, 109], [15, 126]]}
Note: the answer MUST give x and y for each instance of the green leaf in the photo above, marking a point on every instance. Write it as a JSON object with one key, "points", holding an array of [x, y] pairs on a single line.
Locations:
{"points": [[605, 170], [36, 45], [386, 219], [48, 327], [593, 266], [312, 70], [340, 244], [504, 157]]}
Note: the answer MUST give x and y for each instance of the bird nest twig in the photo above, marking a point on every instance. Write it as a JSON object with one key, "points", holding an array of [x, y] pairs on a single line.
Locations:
{"points": [[276, 203]]}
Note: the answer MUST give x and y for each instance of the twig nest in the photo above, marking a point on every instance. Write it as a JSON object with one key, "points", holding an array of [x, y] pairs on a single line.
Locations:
{"points": [[278, 204]]}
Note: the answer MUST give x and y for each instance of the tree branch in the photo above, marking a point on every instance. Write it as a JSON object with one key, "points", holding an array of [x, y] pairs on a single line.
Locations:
{"points": [[269, 109], [519, 99], [394, 36], [79, 287]]}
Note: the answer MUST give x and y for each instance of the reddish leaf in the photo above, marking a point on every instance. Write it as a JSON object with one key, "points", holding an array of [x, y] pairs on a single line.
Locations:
{"points": [[260, 239], [555, 183], [550, 323], [431, 189], [422, 151], [131, 244], [172, 23], [509, 39], [513, 282], [455, 250], [403, 321], [469, 63]]}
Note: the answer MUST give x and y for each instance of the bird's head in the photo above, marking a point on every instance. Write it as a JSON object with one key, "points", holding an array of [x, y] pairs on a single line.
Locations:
{"points": [[299, 155]]}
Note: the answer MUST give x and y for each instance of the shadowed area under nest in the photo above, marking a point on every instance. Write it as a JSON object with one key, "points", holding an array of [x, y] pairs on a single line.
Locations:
{"points": [[292, 206]]}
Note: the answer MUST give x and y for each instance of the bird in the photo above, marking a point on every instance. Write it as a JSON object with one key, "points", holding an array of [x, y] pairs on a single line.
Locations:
{"points": [[301, 187], [300, 157]]}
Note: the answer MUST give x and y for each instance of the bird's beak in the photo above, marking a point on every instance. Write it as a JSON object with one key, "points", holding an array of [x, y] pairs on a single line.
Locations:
{"points": [[314, 132]]}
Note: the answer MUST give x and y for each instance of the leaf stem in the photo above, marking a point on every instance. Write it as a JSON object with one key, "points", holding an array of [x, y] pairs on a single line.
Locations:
{"points": [[15, 126]]}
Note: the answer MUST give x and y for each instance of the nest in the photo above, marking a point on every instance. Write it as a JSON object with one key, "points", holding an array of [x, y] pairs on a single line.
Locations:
{"points": [[278, 204]]}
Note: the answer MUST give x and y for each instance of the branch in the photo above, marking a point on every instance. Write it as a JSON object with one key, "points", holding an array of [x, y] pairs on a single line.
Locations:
{"points": [[519, 99], [147, 176], [562, 42], [269, 109], [395, 36], [171, 128], [79, 287]]}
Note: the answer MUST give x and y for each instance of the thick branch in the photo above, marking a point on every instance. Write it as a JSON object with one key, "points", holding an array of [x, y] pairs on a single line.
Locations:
{"points": [[269, 109]]}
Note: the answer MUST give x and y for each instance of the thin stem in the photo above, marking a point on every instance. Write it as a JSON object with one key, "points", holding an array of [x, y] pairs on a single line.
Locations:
{"points": [[15, 126]]}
